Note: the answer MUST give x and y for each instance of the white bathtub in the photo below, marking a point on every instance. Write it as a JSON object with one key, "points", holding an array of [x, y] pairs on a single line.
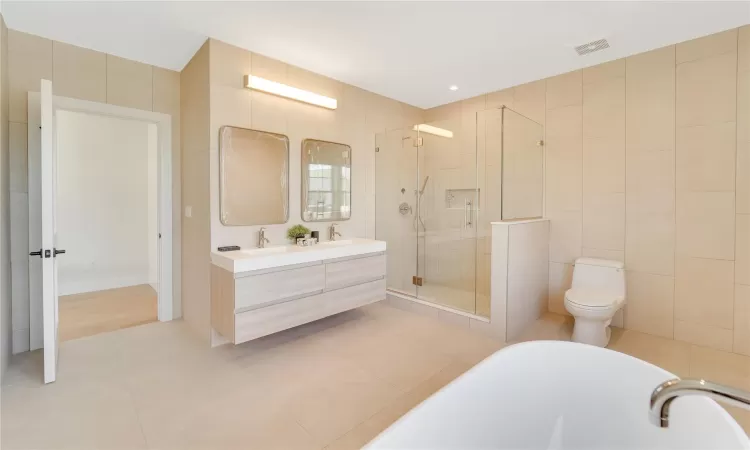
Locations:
{"points": [[559, 395]]}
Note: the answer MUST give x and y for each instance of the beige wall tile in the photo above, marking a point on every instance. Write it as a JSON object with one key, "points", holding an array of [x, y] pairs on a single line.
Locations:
{"points": [[604, 221], [79, 72], [650, 304], [711, 45], [612, 255], [234, 64], [268, 68], [649, 243], [564, 90], [704, 291], [743, 106], [705, 224], [230, 107], [706, 157], [650, 99], [19, 157], [604, 109], [741, 319], [166, 86], [707, 91], [29, 61], [563, 173], [129, 83], [742, 251], [601, 72], [565, 236], [560, 280], [703, 335], [500, 98], [743, 178], [650, 181], [564, 122], [529, 100], [743, 49], [603, 165]]}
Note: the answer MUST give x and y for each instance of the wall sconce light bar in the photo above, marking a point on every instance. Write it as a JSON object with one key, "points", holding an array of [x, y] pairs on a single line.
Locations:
{"points": [[433, 130], [282, 90]]}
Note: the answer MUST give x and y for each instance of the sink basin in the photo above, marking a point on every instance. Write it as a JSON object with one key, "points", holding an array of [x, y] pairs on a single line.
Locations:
{"points": [[250, 259], [342, 242], [267, 250]]}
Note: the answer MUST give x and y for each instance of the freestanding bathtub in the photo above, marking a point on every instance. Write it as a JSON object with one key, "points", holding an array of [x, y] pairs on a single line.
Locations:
{"points": [[559, 395]]}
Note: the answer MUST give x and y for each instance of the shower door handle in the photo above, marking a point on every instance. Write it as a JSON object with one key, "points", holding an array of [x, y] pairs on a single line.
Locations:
{"points": [[467, 214]]}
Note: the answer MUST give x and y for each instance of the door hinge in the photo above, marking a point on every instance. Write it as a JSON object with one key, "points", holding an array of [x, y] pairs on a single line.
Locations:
{"points": [[417, 281], [377, 149]]}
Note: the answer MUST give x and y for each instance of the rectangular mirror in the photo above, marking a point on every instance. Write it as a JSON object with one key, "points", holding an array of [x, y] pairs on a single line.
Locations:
{"points": [[254, 177], [326, 181]]}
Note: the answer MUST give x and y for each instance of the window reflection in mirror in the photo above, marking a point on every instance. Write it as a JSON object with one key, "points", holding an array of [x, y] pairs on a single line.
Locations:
{"points": [[326, 181]]}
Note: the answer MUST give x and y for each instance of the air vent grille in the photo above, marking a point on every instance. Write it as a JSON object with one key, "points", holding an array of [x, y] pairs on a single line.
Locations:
{"points": [[592, 47]]}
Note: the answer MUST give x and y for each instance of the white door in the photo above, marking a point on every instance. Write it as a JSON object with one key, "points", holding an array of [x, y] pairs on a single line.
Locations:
{"points": [[49, 239]]}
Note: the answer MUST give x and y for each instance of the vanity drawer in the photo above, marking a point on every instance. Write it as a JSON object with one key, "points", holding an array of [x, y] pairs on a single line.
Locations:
{"points": [[256, 290], [282, 316], [354, 271]]}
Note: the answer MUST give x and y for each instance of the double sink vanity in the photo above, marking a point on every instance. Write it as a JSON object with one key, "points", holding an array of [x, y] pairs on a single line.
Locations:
{"points": [[261, 291]]}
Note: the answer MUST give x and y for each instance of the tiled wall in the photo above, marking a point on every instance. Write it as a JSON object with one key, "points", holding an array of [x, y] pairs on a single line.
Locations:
{"points": [[648, 161], [88, 75]]}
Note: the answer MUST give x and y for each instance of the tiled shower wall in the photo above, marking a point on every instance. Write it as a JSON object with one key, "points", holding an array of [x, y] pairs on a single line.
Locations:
{"points": [[647, 160]]}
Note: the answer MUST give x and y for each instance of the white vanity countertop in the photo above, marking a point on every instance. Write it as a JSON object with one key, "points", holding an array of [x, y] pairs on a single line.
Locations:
{"points": [[285, 255]]}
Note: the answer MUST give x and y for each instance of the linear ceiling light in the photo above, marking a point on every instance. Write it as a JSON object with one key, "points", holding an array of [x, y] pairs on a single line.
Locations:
{"points": [[433, 130], [272, 87]]}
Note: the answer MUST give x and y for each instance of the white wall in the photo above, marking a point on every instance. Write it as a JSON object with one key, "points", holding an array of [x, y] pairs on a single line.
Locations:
{"points": [[103, 209]]}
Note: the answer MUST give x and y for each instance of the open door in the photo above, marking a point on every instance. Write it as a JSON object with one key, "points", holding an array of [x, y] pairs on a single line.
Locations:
{"points": [[48, 252]]}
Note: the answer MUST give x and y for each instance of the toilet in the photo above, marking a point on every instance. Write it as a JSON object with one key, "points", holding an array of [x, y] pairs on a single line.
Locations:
{"points": [[597, 293]]}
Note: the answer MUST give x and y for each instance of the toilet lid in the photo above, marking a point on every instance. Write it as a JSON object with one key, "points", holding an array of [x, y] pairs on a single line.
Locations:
{"points": [[592, 298]]}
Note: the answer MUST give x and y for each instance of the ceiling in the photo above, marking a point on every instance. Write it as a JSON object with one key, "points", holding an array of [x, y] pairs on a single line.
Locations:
{"points": [[408, 51]]}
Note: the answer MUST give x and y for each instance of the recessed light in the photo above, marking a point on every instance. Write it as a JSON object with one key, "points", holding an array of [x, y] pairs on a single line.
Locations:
{"points": [[453, 88]]}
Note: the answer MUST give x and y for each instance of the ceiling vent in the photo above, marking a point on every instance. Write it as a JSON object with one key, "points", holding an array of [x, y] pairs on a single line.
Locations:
{"points": [[592, 47]]}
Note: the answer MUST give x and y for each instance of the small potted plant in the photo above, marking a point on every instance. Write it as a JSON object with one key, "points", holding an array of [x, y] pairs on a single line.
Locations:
{"points": [[296, 232]]}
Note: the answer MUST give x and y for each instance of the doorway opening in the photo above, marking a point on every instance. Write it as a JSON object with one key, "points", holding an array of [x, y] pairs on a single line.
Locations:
{"points": [[106, 218]]}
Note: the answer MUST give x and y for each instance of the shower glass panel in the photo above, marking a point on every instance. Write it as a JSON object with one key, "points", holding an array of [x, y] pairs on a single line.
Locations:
{"points": [[449, 202], [396, 178], [523, 166]]}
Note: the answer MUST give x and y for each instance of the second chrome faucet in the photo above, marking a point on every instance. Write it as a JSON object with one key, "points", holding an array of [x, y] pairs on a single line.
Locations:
{"points": [[332, 233]]}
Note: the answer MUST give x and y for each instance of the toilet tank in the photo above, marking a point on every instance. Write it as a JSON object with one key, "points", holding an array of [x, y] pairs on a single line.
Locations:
{"points": [[599, 274]]}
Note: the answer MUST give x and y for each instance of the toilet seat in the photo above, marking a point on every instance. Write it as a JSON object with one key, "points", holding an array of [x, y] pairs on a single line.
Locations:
{"points": [[592, 299]]}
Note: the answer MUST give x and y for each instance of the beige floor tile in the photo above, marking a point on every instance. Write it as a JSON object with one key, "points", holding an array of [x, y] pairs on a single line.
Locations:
{"points": [[550, 327], [70, 416], [721, 367], [670, 355]]}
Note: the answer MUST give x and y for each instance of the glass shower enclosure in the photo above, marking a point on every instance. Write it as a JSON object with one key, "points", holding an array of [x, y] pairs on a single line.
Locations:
{"points": [[438, 188]]}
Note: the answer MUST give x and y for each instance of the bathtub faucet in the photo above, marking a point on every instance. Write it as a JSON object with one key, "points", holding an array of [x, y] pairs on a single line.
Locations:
{"points": [[667, 392]]}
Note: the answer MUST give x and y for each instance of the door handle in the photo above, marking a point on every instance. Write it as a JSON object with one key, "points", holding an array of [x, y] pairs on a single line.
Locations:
{"points": [[39, 253], [57, 252]]}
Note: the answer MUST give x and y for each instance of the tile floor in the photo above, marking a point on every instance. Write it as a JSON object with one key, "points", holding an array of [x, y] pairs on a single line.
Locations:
{"points": [[97, 312], [334, 384]]}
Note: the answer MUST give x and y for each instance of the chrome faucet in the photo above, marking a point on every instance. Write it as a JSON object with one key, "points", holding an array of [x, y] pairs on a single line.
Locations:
{"points": [[332, 233], [667, 392], [262, 240]]}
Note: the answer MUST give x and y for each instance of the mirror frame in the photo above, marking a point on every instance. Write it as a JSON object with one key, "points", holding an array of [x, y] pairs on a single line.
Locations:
{"points": [[221, 181], [303, 167]]}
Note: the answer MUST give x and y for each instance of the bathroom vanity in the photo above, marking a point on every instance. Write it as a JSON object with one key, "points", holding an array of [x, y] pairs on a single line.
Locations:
{"points": [[257, 292]]}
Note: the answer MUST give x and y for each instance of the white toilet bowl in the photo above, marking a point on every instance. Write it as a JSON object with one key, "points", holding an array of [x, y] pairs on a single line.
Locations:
{"points": [[597, 293], [593, 311]]}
